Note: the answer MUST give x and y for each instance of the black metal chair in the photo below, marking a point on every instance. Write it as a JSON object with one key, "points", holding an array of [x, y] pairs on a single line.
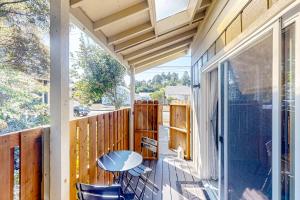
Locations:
{"points": [[142, 172], [101, 192]]}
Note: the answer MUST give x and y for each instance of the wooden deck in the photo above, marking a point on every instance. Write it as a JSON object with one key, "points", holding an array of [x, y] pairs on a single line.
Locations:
{"points": [[175, 179]]}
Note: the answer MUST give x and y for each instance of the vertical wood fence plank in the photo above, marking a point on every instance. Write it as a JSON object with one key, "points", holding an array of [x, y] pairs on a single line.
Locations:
{"points": [[31, 164], [12, 173], [111, 138], [73, 158], [46, 164], [115, 131], [122, 129], [93, 149], [100, 146], [83, 151], [106, 143], [126, 122], [119, 129], [111, 131], [5, 169]]}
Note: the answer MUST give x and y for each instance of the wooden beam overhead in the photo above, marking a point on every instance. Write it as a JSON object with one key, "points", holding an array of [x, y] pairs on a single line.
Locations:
{"points": [[76, 3], [81, 20], [134, 41], [160, 57], [205, 4], [199, 16], [161, 44], [160, 62], [133, 10], [161, 51], [130, 33]]}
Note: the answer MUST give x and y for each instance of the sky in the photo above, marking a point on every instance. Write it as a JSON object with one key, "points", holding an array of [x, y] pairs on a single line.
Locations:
{"points": [[179, 65]]}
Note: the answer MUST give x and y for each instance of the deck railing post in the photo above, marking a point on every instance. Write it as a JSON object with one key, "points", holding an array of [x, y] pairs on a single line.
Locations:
{"points": [[59, 100], [132, 97]]}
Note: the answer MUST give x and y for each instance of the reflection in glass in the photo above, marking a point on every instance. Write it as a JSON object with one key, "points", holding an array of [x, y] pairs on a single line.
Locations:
{"points": [[288, 113], [249, 122]]}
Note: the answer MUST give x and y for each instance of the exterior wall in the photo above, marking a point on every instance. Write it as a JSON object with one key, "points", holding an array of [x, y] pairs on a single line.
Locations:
{"points": [[220, 33], [221, 28]]}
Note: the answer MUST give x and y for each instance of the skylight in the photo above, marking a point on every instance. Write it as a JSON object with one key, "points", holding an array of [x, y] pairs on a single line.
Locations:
{"points": [[167, 8]]}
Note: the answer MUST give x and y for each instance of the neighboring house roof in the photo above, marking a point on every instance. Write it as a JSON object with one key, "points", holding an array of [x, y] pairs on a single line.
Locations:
{"points": [[177, 90]]}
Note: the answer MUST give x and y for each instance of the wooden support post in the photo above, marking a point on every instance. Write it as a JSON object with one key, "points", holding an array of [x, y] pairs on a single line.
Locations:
{"points": [[59, 100], [132, 96]]}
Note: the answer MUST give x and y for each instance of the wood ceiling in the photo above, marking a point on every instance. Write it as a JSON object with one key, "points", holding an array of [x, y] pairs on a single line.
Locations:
{"points": [[128, 29]]}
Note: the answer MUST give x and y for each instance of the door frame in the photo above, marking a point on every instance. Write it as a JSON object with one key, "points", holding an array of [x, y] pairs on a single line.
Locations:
{"points": [[289, 17]]}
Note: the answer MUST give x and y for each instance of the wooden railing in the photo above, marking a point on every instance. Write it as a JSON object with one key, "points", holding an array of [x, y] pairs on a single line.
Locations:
{"points": [[24, 155], [21, 163], [92, 137]]}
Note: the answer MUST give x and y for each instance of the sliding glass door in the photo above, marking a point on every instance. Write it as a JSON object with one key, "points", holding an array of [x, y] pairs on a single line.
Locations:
{"points": [[288, 114], [247, 121]]}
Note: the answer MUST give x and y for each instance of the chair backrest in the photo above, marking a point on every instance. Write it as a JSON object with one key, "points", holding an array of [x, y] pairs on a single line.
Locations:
{"points": [[90, 196], [101, 191], [149, 144]]}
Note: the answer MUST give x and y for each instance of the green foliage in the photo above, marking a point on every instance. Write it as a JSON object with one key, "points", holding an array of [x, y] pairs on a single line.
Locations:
{"points": [[21, 103], [23, 24], [158, 95], [161, 81], [24, 62], [185, 79], [96, 74]]}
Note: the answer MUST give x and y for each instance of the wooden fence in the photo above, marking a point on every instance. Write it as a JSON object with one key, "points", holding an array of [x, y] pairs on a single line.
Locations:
{"points": [[24, 155], [92, 137], [180, 133], [146, 124], [21, 163]]}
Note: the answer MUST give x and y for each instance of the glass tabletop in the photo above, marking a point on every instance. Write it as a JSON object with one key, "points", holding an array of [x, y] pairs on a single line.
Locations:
{"points": [[120, 161]]}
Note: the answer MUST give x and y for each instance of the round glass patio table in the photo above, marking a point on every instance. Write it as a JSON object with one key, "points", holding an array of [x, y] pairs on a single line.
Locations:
{"points": [[119, 161]]}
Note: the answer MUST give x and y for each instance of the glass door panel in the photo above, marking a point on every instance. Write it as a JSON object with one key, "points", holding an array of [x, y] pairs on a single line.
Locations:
{"points": [[288, 113], [248, 122]]}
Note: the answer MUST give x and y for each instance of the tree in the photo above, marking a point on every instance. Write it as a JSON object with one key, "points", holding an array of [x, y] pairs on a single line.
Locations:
{"points": [[24, 63], [21, 104], [158, 95], [185, 79], [23, 24], [100, 74]]}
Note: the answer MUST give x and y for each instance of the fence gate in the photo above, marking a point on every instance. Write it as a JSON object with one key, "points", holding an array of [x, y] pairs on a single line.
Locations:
{"points": [[147, 117], [180, 127]]}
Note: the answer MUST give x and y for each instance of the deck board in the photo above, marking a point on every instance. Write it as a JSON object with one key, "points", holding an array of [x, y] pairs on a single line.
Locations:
{"points": [[175, 178]]}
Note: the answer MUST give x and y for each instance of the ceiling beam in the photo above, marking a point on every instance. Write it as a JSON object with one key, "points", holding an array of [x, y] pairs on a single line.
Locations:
{"points": [[161, 51], [160, 62], [160, 57], [161, 44], [81, 20], [199, 16], [134, 41], [133, 10], [204, 4], [76, 3], [152, 12], [130, 33]]}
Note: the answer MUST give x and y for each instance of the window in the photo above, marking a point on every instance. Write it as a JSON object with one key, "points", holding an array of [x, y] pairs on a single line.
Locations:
{"points": [[167, 8]]}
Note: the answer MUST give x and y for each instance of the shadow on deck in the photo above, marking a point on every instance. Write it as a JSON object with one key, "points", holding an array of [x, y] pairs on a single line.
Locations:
{"points": [[175, 178]]}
